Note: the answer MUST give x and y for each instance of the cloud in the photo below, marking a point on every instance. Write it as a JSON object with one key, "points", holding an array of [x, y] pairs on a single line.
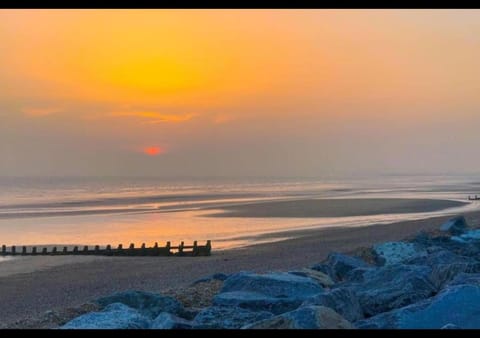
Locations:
{"points": [[154, 117], [40, 111]]}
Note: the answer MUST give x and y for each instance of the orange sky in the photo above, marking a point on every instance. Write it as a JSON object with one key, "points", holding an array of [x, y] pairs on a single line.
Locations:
{"points": [[267, 92]]}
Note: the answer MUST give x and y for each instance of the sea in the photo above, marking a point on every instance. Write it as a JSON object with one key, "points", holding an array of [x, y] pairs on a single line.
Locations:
{"points": [[124, 210]]}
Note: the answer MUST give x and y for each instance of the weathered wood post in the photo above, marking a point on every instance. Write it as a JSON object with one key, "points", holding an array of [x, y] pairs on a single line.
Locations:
{"points": [[97, 249], [54, 250], [180, 248], [13, 250], [195, 248], [24, 250], [143, 250], [4, 250], [209, 247], [85, 249], [120, 249], [131, 249], [168, 248], [75, 250], [65, 250], [44, 251], [34, 250]]}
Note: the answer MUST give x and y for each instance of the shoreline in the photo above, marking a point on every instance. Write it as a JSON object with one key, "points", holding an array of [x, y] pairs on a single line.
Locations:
{"points": [[75, 283]]}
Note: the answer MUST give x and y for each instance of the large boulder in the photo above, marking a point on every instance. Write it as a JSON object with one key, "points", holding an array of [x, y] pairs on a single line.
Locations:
{"points": [[255, 301], [446, 265], [308, 317], [320, 277], [392, 286], [458, 305], [222, 317], [468, 236], [147, 303], [455, 226], [397, 252], [167, 321], [338, 265], [114, 316], [277, 284], [341, 300]]}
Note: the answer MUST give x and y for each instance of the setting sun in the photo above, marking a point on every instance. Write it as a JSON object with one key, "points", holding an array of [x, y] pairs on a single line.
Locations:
{"points": [[153, 151]]}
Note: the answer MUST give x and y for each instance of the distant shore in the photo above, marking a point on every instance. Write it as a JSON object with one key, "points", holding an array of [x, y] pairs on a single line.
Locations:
{"points": [[31, 288]]}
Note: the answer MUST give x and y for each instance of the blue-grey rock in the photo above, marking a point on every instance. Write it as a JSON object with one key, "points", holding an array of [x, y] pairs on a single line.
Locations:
{"points": [[216, 276], [308, 317], [455, 226], [457, 305], [320, 277], [114, 316], [446, 265], [398, 252], [276, 284], [166, 321], [147, 303], [393, 286], [468, 236], [465, 278], [450, 326], [342, 264], [342, 300], [255, 301], [223, 317]]}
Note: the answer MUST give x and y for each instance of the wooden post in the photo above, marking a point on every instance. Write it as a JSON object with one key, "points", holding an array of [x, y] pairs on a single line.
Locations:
{"points": [[4, 250], [119, 250], [54, 250], [34, 250], [13, 250], [180, 248], [108, 250], [195, 248], [168, 248], [65, 250], [85, 249], [209, 247], [131, 249], [44, 251], [24, 250], [156, 245], [75, 250], [97, 249]]}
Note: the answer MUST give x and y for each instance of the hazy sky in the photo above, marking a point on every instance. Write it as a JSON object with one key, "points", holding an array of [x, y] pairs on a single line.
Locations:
{"points": [[239, 92]]}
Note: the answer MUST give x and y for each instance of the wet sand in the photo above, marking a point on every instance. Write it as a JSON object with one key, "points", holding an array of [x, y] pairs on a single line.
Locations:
{"points": [[30, 291], [343, 207]]}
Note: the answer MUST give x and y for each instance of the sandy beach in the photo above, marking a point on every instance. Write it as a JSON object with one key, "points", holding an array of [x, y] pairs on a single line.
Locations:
{"points": [[33, 285]]}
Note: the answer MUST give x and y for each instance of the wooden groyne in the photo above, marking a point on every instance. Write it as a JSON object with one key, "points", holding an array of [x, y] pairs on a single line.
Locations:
{"points": [[168, 250]]}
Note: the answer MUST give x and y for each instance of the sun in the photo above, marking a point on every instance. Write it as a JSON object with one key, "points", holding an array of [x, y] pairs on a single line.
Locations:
{"points": [[153, 150]]}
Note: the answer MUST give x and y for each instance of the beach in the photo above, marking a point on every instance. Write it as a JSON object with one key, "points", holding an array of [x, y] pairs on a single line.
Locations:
{"points": [[58, 283]]}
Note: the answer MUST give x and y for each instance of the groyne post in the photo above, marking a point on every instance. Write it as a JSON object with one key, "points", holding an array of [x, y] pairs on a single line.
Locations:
{"points": [[34, 250], [24, 250], [44, 251], [13, 250], [4, 250]]}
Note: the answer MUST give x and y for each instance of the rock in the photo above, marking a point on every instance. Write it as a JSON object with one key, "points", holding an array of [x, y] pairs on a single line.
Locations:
{"points": [[392, 286], [341, 300], [465, 278], [222, 317], [338, 265], [397, 252], [114, 316], [166, 320], [457, 305], [450, 326], [277, 284], [256, 301], [322, 278], [308, 317], [216, 276], [446, 265], [455, 226], [147, 303], [469, 236]]}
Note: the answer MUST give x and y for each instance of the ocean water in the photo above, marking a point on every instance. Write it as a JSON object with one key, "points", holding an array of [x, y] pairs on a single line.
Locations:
{"points": [[114, 210]]}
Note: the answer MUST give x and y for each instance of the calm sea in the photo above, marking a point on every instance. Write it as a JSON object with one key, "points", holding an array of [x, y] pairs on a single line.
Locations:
{"points": [[113, 210]]}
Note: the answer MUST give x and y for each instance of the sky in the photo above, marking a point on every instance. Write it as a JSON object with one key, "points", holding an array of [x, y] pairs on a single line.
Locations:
{"points": [[239, 92]]}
